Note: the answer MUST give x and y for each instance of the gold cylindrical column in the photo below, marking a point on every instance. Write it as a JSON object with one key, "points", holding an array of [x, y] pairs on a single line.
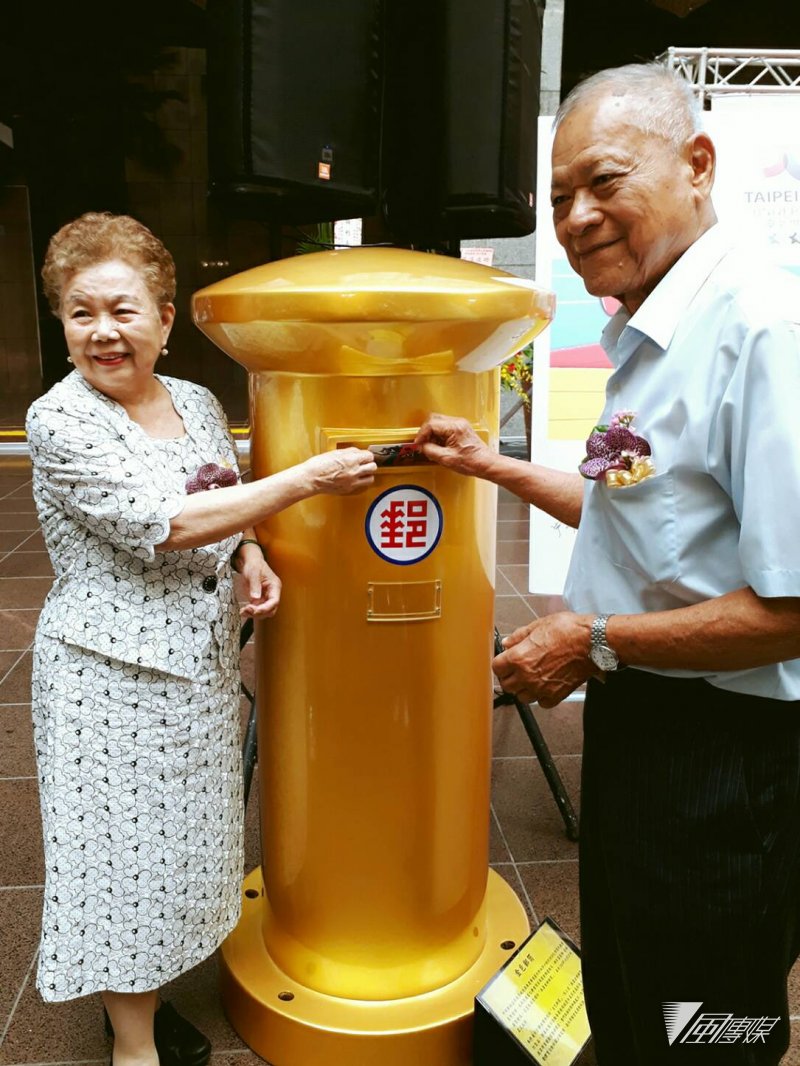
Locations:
{"points": [[372, 923]]}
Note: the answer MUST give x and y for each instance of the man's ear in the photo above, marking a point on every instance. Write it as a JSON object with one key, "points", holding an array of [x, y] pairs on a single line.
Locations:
{"points": [[703, 160]]}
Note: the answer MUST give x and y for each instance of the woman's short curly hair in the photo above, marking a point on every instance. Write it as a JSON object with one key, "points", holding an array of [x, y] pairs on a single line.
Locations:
{"points": [[97, 237]]}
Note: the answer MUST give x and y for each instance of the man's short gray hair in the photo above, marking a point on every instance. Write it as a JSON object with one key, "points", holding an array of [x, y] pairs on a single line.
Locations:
{"points": [[666, 106]]}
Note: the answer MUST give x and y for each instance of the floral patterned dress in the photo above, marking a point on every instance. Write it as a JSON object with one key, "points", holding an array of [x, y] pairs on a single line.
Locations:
{"points": [[135, 699]]}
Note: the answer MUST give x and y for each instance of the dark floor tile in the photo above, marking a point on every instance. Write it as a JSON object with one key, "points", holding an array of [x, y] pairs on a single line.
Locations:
{"points": [[513, 529], [511, 612], [498, 852], [27, 520], [245, 1057], [509, 874], [7, 660], [511, 552], [16, 685], [23, 592], [792, 1056], [11, 538], [248, 667], [55, 1032], [794, 990], [528, 815], [17, 628], [26, 564], [553, 889], [21, 836], [34, 541], [252, 825], [17, 757], [20, 918], [561, 727], [19, 503]]}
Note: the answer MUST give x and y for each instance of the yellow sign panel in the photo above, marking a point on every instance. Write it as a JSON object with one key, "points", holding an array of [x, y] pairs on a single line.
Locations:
{"points": [[538, 998]]}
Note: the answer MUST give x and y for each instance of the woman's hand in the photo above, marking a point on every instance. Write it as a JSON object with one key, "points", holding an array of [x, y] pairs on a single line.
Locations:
{"points": [[452, 442], [341, 472], [261, 584]]}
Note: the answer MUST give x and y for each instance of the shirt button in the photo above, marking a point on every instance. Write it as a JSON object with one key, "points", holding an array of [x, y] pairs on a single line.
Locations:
{"points": [[209, 584]]}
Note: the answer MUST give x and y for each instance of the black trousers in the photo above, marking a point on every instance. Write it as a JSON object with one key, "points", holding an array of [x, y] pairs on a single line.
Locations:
{"points": [[689, 866]]}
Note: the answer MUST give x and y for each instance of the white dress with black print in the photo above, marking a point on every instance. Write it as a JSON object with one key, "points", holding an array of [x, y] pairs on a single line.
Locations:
{"points": [[135, 699]]}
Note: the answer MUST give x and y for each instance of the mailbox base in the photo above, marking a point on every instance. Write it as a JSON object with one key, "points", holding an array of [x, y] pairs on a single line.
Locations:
{"points": [[290, 1025]]}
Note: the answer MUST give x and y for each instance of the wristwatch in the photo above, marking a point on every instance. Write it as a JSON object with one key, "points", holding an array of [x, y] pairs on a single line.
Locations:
{"points": [[600, 653]]}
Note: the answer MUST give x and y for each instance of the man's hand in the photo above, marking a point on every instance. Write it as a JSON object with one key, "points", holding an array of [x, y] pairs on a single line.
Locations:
{"points": [[547, 659], [453, 443]]}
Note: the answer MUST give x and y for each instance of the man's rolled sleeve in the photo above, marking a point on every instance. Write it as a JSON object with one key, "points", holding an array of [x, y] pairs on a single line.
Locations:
{"points": [[763, 407]]}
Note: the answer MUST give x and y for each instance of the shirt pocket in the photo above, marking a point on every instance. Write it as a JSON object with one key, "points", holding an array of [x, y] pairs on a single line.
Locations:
{"points": [[638, 527]]}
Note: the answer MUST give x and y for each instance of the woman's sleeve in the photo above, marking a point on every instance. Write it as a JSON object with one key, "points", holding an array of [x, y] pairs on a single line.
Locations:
{"points": [[93, 475]]}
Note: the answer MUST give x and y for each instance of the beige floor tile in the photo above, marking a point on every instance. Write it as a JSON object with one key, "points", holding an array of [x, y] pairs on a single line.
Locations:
{"points": [[511, 612], [513, 529], [502, 586], [512, 552]]}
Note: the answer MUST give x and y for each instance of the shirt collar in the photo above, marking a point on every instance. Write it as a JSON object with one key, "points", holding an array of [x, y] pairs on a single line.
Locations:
{"points": [[658, 317]]}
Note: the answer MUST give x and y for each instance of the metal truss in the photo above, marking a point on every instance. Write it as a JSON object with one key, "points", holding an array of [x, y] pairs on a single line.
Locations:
{"points": [[722, 71]]}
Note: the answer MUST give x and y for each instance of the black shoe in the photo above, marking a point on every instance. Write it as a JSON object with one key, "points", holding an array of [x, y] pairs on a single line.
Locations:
{"points": [[177, 1041]]}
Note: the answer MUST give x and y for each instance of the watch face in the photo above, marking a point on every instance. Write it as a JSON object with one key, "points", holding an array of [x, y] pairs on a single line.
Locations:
{"points": [[604, 657]]}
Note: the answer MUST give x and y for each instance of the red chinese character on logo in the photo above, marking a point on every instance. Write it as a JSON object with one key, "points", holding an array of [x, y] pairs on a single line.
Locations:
{"points": [[392, 527], [417, 526]]}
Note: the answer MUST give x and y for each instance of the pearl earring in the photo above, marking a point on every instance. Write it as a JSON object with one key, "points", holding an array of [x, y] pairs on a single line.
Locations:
{"points": [[164, 351], [69, 359]]}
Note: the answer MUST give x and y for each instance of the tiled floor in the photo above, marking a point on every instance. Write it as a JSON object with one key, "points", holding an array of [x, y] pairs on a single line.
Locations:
{"points": [[528, 844]]}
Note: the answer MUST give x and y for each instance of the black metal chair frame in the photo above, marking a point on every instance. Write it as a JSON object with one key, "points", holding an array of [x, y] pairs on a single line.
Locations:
{"points": [[531, 726]]}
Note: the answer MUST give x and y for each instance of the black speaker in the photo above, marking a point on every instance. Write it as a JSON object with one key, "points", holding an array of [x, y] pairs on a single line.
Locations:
{"points": [[294, 93], [491, 110], [462, 104]]}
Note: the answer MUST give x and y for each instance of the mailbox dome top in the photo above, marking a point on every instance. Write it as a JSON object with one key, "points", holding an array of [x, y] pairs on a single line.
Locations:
{"points": [[255, 314]]}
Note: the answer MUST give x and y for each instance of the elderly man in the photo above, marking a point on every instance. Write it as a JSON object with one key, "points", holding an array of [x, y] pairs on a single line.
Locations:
{"points": [[686, 571]]}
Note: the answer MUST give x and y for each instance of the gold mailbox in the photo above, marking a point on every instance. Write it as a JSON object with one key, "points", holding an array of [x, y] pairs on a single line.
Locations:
{"points": [[374, 919]]}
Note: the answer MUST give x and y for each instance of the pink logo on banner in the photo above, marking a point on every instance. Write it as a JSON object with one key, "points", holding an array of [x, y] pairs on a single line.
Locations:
{"points": [[404, 524]]}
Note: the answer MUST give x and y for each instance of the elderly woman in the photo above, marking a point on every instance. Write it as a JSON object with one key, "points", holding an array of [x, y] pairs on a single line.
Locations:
{"points": [[136, 682]]}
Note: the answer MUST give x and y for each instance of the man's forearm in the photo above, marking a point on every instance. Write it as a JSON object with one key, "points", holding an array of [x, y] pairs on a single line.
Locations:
{"points": [[738, 631], [557, 493]]}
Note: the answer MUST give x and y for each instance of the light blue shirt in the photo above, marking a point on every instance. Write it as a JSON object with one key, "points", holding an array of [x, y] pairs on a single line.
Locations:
{"points": [[710, 363]]}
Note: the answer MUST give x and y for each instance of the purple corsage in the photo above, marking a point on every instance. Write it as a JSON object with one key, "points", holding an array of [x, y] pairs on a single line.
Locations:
{"points": [[617, 454], [210, 476]]}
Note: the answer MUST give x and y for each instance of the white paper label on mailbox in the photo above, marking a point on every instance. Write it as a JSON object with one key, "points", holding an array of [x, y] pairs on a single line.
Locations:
{"points": [[404, 524]]}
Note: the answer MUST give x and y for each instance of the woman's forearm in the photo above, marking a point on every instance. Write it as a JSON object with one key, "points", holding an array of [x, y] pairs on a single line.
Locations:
{"points": [[211, 516]]}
